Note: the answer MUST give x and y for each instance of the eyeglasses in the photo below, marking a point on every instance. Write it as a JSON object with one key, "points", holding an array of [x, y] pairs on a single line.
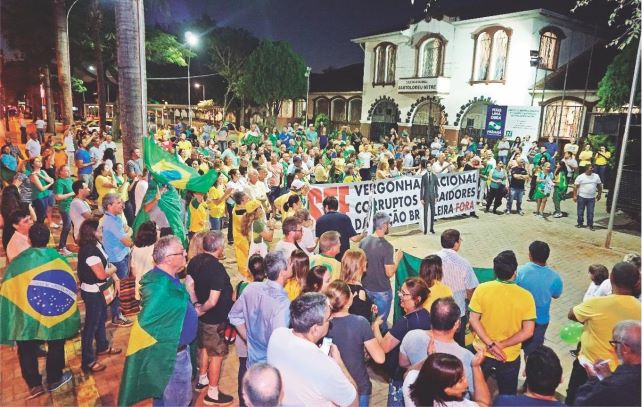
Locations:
{"points": [[403, 294]]}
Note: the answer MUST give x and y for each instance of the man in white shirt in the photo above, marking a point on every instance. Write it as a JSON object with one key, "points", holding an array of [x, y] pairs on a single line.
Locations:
{"points": [[33, 146], [21, 221], [40, 128], [586, 190], [95, 152], [108, 143], [70, 149], [408, 161], [310, 376], [255, 188], [79, 210], [292, 231], [571, 165], [441, 166]]}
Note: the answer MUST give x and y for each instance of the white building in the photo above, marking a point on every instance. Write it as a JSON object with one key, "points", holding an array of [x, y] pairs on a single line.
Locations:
{"points": [[440, 75]]}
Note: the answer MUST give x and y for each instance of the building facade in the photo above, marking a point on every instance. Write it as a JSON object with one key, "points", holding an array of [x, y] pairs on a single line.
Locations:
{"points": [[439, 76]]}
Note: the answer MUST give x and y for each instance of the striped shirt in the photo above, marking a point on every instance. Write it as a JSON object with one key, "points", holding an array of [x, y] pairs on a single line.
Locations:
{"points": [[458, 276]]}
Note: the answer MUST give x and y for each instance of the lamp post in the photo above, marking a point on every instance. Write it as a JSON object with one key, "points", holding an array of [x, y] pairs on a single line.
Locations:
{"points": [[198, 85], [191, 40], [307, 93], [535, 61]]}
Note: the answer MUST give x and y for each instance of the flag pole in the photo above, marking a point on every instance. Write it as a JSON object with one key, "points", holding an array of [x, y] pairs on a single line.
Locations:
{"points": [[625, 138]]}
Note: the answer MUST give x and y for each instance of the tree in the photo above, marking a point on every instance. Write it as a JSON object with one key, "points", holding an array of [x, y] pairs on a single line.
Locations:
{"points": [[62, 61], [274, 73], [96, 17], [230, 49], [614, 89], [132, 95], [625, 17], [164, 48]]}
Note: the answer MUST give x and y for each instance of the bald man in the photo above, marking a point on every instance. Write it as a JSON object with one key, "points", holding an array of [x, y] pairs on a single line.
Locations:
{"points": [[262, 386]]}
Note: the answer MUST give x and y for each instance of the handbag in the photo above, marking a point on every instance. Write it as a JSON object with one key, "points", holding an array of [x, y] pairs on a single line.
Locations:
{"points": [[256, 248], [108, 289]]}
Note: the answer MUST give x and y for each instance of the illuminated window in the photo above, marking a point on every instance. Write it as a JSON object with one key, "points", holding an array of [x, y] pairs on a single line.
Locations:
{"points": [[385, 61], [491, 54], [549, 47], [431, 57]]}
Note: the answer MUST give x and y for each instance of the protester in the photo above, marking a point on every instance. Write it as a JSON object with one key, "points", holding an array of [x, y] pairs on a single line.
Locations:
{"points": [[299, 262], [141, 255], [428, 193], [560, 182], [587, 189], [262, 386], [22, 222], [292, 231], [598, 273], [317, 280], [543, 188], [42, 183], [329, 247], [432, 273], [497, 188], [602, 158], [338, 222], [79, 210]]}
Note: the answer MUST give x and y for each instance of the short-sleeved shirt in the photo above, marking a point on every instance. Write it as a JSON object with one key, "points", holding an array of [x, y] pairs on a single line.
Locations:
{"points": [[587, 185], [199, 220], [113, 231], [84, 156], [599, 316], [503, 306], [543, 283], [286, 247], [134, 166], [216, 210], [419, 319], [76, 210], [602, 158], [379, 253], [210, 275], [514, 182], [523, 400], [350, 333], [62, 187], [323, 385], [459, 276], [437, 291], [338, 222], [332, 264], [415, 347]]}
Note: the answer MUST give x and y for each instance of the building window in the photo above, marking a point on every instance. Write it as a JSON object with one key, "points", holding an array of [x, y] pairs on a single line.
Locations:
{"points": [[491, 54], [286, 109], [299, 108], [321, 105], [385, 58], [569, 126], [549, 48], [354, 110], [431, 57], [338, 110]]}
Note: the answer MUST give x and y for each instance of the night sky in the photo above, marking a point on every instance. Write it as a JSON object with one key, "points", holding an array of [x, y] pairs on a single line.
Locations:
{"points": [[320, 30]]}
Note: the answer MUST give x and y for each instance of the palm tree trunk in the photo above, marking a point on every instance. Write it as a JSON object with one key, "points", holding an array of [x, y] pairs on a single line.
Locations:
{"points": [[131, 72], [97, 19], [51, 114], [62, 62]]}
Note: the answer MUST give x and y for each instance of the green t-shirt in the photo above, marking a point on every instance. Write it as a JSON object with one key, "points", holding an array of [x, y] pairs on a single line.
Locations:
{"points": [[62, 187], [41, 194]]}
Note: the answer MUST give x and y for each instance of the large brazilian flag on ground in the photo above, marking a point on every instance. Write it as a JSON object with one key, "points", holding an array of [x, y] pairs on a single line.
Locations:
{"points": [[168, 169], [154, 338], [38, 298]]}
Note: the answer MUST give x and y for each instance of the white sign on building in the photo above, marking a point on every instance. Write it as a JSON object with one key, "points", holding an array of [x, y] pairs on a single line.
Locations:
{"points": [[522, 121], [423, 85]]}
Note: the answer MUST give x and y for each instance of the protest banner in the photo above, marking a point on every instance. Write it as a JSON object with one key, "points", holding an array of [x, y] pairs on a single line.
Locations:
{"points": [[456, 194], [495, 121], [522, 121]]}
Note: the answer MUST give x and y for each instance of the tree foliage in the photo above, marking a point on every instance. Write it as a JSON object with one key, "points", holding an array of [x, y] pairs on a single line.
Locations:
{"points": [[274, 73], [625, 18], [164, 48], [615, 87], [77, 85]]}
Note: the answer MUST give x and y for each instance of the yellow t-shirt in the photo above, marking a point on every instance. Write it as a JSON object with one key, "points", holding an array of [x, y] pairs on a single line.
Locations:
{"points": [[184, 145], [292, 288], [602, 158], [438, 290], [199, 220], [279, 202], [332, 264], [599, 316], [585, 158], [216, 210], [503, 306], [102, 190]]}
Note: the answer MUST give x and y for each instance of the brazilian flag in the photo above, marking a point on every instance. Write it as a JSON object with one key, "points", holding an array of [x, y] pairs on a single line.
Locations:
{"points": [[154, 338], [38, 298], [168, 169]]}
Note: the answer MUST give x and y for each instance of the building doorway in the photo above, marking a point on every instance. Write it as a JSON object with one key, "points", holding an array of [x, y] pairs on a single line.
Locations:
{"points": [[384, 118], [426, 121], [474, 120]]}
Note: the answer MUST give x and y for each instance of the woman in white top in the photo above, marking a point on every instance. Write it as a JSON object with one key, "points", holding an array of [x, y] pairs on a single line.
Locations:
{"points": [[365, 157], [441, 381], [141, 257], [308, 241]]}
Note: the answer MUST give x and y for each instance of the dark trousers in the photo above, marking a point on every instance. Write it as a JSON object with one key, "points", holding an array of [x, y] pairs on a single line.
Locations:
{"points": [[230, 235], [531, 191], [506, 374], [27, 356], [589, 205], [66, 228], [242, 370], [40, 207], [129, 212], [430, 203], [601, 171], [94, 328], [578, 378], [496, 195], [536, 340]]}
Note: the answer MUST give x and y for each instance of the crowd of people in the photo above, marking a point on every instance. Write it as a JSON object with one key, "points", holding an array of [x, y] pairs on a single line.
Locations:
{"points": [[311, 314]]}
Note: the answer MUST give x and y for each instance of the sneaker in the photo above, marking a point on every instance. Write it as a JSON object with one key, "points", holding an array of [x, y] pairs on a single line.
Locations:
{"points": [[592, 228], [557, 215], [506, 212], [521, 213], [579, 226], [66, 377], [64, 252], [200, 386], [35, 392], [122, 322], [223, 400]]}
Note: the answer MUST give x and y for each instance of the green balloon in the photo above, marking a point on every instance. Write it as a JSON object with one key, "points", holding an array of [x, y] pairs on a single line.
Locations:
{"points": [[571, 332]]}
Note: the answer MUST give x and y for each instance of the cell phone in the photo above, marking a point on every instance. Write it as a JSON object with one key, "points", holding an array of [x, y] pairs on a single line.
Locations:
{"points": [[325, 345]]}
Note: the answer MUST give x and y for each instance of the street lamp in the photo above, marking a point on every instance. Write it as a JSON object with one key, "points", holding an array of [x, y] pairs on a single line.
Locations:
{"points": [[198, 85], [307, 93], [191, 40], [535, 61]]}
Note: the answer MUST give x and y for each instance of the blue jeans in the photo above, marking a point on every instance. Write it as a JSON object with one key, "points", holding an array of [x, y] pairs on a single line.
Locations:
{"points": [[364, 400], [383, 301], [601, 171], [589, 205], [395, 393], [122, 271], [40, 207], [536, 340], [215, 223], [178, 392], [94, 328], [66, 228], [504, 159], [506, 374], [516, 194]]}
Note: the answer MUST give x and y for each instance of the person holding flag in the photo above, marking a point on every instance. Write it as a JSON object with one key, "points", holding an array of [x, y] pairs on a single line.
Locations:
{"points": [[38, 303]]}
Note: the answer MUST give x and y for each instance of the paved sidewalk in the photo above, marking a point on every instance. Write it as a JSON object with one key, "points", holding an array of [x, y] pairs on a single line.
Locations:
{"points": [[572, 251]]}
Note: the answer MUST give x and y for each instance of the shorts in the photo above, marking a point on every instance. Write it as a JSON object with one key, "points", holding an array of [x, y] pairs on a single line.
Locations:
{"points": [[211, 337]]}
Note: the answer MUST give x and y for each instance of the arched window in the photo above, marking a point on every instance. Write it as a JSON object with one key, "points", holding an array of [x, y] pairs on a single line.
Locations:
{"points": [[385, 58], [321, 105], [431, 57], [338, 110], [491, 54], [354, 110], [572, 115], [549, 47]]}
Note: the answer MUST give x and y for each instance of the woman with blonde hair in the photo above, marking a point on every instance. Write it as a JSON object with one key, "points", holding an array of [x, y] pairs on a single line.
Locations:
{"points": [[300, 263], [196, 245], [382, 170], [353, 266], [255, 232]]}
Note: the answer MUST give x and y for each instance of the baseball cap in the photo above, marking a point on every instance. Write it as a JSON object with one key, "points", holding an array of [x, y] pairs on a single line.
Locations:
{"points": [[297, 184]]}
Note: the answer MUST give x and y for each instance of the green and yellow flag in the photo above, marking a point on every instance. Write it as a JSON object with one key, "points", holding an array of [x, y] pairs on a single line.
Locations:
{"points": [[154, 338], [168, 169], [38, 298]]}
